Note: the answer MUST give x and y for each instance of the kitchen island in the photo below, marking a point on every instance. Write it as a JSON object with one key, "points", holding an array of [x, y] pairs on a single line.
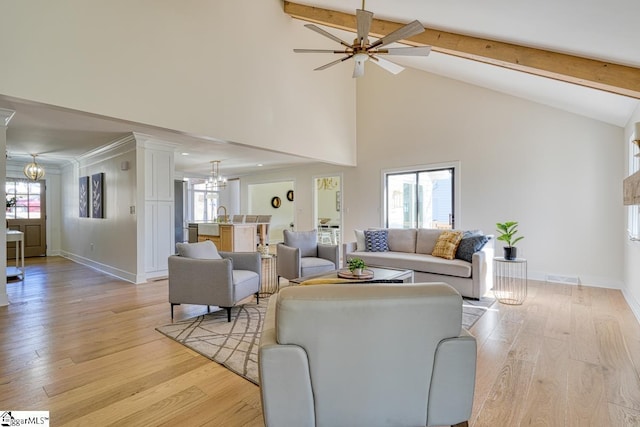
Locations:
{"points": [[229, 237]]}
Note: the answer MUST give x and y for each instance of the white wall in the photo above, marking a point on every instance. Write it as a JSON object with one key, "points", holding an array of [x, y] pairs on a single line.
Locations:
{"points": [[556, 173], [108, 244], [631, 249], [223, 69], [259, 203]]}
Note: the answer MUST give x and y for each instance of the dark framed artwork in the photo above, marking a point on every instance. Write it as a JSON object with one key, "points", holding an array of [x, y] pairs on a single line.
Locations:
{"points": [[83, 197], [97, 195]]}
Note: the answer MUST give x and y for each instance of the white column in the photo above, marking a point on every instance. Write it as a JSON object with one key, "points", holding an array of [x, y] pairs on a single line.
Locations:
{"points": [[5, 117]]}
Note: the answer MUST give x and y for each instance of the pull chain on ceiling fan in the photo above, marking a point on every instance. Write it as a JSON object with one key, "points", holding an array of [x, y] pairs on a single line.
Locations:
{"points": [[361, 50]]}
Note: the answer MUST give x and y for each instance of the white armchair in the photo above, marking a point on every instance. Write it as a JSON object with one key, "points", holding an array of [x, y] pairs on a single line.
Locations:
{"points": [[199, 274], [366, 355], [300, 255]]}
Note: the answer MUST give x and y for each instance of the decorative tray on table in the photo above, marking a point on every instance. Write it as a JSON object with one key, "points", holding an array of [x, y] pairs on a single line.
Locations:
{"points": [[346, 274]]}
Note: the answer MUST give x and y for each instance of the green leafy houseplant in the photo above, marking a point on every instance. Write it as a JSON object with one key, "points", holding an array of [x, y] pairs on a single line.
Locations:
{"points": [[356, 264], [507, 232]]}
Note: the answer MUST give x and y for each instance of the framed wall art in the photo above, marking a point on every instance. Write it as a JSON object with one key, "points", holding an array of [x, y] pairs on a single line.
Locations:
{"points": [[97, 195], [83, 197]]}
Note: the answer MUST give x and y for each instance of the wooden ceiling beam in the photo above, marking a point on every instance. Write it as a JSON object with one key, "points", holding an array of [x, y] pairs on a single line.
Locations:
{"points": [[602, 75]]}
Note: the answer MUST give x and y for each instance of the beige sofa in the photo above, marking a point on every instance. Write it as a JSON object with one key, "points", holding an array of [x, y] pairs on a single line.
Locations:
{"points": [[411, 249]]}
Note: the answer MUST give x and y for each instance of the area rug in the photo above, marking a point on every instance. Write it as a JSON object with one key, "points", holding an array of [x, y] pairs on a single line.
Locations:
{"points": [[235, 344]]}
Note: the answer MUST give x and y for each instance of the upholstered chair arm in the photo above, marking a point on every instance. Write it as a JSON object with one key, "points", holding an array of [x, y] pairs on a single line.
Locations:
{"points": [[288, 262], [284, 379], [244, 260], [482, 268], [330, 253], [453, 381], [200, 281]]}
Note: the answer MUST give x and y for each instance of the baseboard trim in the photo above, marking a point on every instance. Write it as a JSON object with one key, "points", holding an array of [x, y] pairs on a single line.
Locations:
{"points": [[103, 268], [633, 303], [597, 282]]}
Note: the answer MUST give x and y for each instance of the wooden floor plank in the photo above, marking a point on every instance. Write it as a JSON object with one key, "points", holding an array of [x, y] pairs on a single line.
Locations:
{"points": [[587, 401]]}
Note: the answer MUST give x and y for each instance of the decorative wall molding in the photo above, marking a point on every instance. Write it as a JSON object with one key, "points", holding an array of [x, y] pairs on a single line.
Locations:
{"points": [[6, 116]]}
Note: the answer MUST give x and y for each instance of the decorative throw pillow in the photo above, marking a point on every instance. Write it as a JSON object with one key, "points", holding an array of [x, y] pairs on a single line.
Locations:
{"points": [[200, 250], [361, 246], [447, 244], [470, 245], [376, 240]]}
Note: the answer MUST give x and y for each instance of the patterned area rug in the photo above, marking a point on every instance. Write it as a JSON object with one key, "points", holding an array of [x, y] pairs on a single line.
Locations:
{"points": [[235, 344]]}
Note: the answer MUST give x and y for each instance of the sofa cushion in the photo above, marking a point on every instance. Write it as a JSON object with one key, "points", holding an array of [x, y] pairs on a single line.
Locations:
{"points": [[376, 240], [447, 244], [306, 241], [200, 250], [417, 262], [361, 246], [470, 245], [426, 240], [402, 239]]}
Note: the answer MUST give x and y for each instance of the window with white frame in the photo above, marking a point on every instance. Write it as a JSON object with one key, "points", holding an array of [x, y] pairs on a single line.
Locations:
{"points": [[205, 202], [634, 211]]}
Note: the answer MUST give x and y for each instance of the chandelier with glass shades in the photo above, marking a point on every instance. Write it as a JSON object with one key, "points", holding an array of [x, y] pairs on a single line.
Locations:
{"points": [[33, 171], [216, 182]]}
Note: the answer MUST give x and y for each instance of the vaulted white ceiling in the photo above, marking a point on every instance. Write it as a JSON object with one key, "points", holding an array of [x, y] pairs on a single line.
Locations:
{"points": [[589, 28]]}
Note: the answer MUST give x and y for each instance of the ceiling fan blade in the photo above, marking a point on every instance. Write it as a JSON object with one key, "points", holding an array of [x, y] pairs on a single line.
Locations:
{"points": [[411, 29], [332, 63], [318, 51], [326, 34], [363, 18], [409, 51], [391, 67]]}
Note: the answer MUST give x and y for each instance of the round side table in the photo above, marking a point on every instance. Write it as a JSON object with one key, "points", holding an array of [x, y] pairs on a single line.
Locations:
{"points": [[510, 280]]}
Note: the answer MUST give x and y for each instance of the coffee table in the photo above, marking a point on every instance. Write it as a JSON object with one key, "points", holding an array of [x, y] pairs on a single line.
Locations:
{"points": [[379, 273]]}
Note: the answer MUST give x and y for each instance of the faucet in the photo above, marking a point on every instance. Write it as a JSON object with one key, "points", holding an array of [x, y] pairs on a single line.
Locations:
{"points": [[224, 218]]}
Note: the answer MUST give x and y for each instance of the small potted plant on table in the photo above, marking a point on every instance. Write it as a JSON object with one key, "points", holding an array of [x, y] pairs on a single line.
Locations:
{"points": [[356, 266], [507, 231]]}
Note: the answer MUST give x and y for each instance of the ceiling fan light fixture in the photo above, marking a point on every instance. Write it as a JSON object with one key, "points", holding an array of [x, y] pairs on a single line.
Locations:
{"points": [[33, 171]]}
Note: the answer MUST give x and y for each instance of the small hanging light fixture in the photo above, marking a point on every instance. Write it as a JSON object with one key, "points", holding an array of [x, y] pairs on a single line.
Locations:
{"points": [[216, 182], [33, 171]]}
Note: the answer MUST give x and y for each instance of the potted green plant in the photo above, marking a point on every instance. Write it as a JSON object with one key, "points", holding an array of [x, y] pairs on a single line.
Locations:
{"points": [[507, 232], [356, 266]]}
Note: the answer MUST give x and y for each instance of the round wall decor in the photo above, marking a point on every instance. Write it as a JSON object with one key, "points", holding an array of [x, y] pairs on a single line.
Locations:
{"points": [[290, 195], [276, 202]]}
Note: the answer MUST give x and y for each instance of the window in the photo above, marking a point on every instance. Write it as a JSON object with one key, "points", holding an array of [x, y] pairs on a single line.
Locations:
{"points": [[420, 198], [634, 211], [205, 203], [23, 198]]}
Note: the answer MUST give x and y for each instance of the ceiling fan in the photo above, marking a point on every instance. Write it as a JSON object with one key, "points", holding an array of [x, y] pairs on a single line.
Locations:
{"points": [[361, 50]]}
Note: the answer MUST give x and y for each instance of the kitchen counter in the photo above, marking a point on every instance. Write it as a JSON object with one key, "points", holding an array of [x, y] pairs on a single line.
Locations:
{"points": [[229, 237]]}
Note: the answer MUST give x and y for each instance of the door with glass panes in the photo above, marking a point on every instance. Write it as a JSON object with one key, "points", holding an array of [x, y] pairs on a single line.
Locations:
{"points": [[26, 212]]}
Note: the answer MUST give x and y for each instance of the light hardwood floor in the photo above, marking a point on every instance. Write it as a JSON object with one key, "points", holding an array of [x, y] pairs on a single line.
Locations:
{"points": [[83, 346]]}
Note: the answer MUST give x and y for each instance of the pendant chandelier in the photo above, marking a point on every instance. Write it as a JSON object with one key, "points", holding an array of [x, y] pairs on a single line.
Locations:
{"points": [[216, 182], [33, 171]]}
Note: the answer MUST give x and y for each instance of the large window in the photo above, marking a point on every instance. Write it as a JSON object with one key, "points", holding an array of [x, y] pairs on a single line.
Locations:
{"points": [[23, 198], [420, 198], [634, 211]]}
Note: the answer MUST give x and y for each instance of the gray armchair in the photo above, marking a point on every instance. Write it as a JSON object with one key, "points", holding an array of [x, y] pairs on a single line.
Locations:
{"points": [[300, 255], [199, 274], [366, 355]]}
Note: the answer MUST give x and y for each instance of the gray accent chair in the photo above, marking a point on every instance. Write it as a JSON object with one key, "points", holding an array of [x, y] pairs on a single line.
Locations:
{"points": [[199, 274], [300, 255], [366, 355]]}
